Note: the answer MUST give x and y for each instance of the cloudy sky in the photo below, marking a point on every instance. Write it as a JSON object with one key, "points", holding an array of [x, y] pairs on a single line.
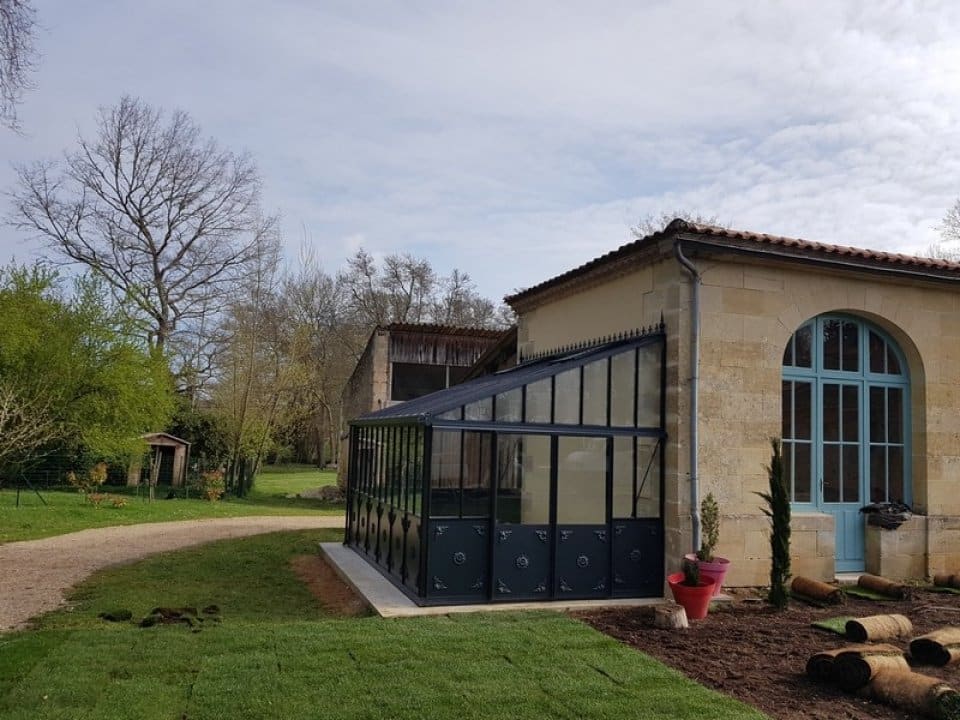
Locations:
{"points": [[517, 139]]}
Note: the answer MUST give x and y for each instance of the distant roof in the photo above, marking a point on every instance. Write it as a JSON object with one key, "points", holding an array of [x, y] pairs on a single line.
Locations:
{"points": [[785, 247], [433, 329], [148, 436], [489, 385]]}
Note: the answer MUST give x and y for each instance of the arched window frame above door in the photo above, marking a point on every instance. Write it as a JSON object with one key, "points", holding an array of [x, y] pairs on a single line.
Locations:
{"points": [[857, 354]]}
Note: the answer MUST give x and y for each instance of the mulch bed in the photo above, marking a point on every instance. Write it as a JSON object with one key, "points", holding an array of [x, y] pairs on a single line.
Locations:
{"points": [[322, 581], [758, 655]]}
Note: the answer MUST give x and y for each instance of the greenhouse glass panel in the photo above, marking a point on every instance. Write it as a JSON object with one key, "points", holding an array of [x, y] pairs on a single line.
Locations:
{"points": [[623, 375], [445, 473], [476, 474], [581, 480], [595, 393], [648, 386], [566, 400], [539, 398], [510, 406]]}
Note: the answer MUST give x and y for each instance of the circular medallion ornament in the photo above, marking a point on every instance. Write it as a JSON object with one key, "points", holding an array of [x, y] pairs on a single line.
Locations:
{"points": [[522, 562], [459, 558], [583, 561], [635, 555]]}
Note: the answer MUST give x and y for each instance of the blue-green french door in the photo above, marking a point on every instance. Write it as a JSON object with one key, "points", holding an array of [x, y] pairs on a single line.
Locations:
{"points": [[845, 425]]}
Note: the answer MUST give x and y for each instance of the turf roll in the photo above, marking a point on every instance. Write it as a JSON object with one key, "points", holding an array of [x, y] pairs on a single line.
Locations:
{"points": [[915, 693], [940, 647], [947, 581], [853, 670], [883, 586], [876, 628], [822, 665], [816, 590]]}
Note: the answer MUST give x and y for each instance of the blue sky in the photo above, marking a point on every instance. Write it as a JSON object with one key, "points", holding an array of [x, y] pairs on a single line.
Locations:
{"points": [[515, 140]]}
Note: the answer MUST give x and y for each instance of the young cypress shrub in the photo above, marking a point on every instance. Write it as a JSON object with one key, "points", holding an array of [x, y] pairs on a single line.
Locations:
{"points": [[778, 510]]}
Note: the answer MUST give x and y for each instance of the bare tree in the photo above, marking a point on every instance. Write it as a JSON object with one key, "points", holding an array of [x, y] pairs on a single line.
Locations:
{"points": [[27, 422], [948, 247], [17, 56], [168, 218], [655, 222]]}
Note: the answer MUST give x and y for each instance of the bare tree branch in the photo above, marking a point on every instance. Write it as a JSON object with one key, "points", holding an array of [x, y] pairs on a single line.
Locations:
{"points": [[167, 218], [17, 56]]}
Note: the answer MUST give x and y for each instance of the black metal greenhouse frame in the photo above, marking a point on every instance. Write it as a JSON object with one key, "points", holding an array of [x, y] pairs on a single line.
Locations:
{"points": [[461, 558]]}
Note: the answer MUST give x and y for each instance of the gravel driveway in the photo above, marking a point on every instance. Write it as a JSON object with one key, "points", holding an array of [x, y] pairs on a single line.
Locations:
{"points": [[35, 574]]}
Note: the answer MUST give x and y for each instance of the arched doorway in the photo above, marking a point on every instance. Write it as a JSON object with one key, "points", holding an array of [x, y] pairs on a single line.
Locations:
{"points": [[846, 425]]}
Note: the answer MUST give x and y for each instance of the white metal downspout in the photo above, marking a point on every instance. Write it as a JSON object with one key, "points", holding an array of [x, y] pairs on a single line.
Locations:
{"points": [[694, 391]]}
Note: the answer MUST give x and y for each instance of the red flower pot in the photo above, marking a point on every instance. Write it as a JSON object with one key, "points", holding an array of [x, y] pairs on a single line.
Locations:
{"points": [[716, 570], [695, 600]]}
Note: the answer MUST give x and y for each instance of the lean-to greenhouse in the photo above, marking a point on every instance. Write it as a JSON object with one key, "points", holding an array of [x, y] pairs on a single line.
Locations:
{"points": [[541, 482]]}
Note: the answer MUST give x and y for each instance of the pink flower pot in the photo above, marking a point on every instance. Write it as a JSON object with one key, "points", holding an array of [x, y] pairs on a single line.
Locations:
{"points": [[716, 570]]}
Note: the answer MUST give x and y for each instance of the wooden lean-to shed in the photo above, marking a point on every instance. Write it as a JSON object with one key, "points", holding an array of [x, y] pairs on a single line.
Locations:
{"points": [[169, 453]]}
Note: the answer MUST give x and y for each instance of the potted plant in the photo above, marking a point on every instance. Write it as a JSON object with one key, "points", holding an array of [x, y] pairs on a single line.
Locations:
{"points": [[710, 566], [691, 591]]}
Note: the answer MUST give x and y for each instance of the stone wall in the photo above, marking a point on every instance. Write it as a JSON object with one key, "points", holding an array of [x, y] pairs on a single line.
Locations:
{"points": [[750, 308]]}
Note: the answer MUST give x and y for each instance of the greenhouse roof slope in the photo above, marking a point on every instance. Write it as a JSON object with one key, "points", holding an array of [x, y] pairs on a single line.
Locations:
{"points": [[453, 397]]}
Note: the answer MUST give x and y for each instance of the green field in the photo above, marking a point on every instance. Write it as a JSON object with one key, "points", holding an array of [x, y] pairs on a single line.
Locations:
{"points": [[67, 510], [277, 654]]}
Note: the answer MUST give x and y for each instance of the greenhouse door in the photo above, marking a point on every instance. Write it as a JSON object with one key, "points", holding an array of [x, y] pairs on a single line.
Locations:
{"points": [[551, 538]]}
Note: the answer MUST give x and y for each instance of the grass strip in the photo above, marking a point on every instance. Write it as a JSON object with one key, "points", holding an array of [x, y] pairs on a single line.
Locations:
{"points": [[836, 625]]}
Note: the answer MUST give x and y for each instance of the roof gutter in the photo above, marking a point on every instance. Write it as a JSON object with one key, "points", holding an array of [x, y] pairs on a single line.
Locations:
{"points": [[694, 390]]}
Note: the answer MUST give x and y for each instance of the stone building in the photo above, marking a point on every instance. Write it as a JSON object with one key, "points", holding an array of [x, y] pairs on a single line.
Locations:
{"points": [[851, 356], [402, 361], [656, 374]]}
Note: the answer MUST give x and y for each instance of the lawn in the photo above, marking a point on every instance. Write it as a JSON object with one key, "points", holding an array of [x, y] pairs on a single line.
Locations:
{"points": [[276, 655], [67, 510]]}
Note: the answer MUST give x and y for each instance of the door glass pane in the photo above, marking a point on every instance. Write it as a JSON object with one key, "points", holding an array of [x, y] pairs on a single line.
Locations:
{"points": [[895, 489], [802, 416], [508, 406], [787, 408], [878, 473], [595, 393], [895, 415], [648, 478], [648, 386], [623, 477], [445, 474], [581, 480], [476, 474], [803, 347], [893, 364], [831, 473], [851, 413], [851, 473], [802, 472], [538, 402], [566, 408], [831, 412], [878, 415], [831, 344], [851, 347], [622, 378], [878, 353], [523, 469]]}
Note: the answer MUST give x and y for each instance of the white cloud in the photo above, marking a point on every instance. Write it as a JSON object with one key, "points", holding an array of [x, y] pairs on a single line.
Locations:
{"points": [[516, 140]]}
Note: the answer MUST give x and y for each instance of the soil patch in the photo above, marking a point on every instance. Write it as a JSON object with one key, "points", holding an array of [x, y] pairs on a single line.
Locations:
{"points": [[334, 594], [758, 655]]}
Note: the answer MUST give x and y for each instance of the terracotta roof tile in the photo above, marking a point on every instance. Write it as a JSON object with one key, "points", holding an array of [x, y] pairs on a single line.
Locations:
{"points": [[763, 241]]}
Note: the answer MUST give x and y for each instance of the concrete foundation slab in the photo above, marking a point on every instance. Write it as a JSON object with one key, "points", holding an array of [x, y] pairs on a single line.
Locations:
{"points": [[387, 601]]}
